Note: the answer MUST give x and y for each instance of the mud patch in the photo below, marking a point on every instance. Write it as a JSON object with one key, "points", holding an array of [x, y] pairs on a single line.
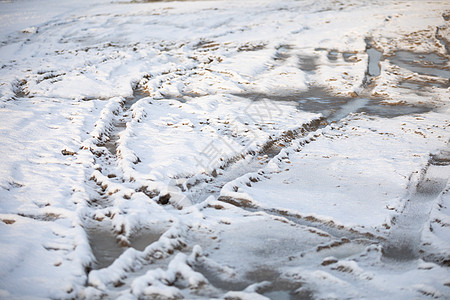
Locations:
{"points": [[243, 203], [8, 221], [46, 217], [349, 57]]}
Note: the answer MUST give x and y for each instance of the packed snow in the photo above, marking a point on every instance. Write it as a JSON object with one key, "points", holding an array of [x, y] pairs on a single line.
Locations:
{"points": [[224, 149]]}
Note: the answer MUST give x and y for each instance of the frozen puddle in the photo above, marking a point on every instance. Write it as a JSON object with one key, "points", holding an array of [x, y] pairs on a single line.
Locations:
{"points": [[268, 282], [373, 65], [433, 70], [429, 64], [334, 108], [106, 247], [276, 287], [256, 262], [375, 56]]}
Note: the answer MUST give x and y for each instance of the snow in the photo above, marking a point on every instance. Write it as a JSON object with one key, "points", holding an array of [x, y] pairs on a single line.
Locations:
{"points": [[224, 149], [210, 131], [42, 230], [332, 178]]}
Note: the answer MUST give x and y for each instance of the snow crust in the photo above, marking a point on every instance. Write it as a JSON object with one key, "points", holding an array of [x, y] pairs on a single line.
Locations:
{"points": [[224, 149]]}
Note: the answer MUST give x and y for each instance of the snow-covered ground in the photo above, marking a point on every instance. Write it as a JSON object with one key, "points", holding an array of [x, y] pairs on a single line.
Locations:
{"points": [[253, 149]]}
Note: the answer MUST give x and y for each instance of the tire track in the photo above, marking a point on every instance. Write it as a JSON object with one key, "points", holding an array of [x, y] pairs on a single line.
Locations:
{"points": [[109, 238], [404, 240]]}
